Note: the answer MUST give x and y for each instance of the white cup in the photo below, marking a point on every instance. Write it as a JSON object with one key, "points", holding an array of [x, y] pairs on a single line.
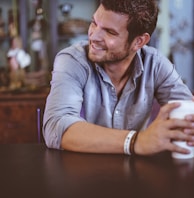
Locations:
{"points": [[186, 107]]}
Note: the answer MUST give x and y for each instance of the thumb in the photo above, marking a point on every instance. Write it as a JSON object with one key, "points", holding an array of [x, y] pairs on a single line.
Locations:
{"points": [[166, 109]]}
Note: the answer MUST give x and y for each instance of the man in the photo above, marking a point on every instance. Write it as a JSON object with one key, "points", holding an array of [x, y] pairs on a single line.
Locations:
{"points": [[102, 92]]}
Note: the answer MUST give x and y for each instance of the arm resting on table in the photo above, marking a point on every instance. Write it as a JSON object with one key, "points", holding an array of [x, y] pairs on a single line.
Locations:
{"points": [[87, 137]]}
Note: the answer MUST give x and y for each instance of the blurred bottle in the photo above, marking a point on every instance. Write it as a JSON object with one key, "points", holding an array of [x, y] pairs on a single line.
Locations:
{"points": [[13, 22], [2, 24], [38, 38]]}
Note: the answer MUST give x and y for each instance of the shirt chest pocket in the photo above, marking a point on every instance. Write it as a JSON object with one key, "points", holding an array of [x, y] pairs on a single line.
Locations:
{"points": [[137, 114]]}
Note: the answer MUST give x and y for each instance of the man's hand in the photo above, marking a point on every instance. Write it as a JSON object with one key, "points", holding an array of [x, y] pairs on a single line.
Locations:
{"points": [[159, 135], [190, 131]]}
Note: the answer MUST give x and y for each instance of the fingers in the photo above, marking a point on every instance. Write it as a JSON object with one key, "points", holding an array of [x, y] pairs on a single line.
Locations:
{"points": [[190, 117], [178, 134], [166, 109], [174, 148], [181, 130], [188, 126], [191, 143], [190, 131], [160, 133]]}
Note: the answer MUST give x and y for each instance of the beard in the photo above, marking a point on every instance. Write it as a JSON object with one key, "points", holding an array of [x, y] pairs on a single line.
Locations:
{"points": [[107, 56]]}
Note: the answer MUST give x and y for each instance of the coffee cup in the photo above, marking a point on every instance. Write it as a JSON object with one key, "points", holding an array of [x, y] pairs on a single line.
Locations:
{"points": [[186, 108]]}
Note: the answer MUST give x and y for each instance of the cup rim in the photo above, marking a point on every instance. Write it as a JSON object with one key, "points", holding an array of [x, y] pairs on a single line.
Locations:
{"points": [[187, 101]]}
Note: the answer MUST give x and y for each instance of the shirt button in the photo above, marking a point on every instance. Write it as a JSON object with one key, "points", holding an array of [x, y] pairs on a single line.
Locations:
{"points": [[117, 111], [112, 88]]}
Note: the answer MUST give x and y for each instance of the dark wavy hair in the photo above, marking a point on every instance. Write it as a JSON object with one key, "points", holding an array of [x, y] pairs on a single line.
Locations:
{"points": [[143, 14]]}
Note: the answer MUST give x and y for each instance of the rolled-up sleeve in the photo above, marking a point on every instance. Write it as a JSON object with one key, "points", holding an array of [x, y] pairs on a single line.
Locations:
{"points": [[64, 102]]}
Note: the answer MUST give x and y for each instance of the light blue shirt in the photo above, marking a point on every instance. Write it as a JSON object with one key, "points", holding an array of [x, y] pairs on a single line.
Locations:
{"points": [[82, 91]]}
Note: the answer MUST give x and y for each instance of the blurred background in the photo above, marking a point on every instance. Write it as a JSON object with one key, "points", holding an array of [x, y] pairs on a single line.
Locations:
{"points": [[174, 36], [43, 27]]}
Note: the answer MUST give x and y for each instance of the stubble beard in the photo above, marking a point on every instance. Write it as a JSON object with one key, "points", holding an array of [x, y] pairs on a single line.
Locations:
{"points": [[108, 58]]}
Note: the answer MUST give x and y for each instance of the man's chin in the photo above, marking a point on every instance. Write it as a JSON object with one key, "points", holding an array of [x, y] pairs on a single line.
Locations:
{"points": [[94, 58]]}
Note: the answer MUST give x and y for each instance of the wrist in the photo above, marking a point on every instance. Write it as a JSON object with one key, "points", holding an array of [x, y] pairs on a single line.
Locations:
{"points": [[129, 142], [140, 145]]}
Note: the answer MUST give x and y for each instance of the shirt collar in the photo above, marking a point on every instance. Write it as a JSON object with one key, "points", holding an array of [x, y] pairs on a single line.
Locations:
{"points": [[137, 64]]}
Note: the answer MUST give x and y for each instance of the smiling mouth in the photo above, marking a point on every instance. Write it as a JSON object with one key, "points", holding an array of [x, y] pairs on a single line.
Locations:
{"points": [[96, 47]]}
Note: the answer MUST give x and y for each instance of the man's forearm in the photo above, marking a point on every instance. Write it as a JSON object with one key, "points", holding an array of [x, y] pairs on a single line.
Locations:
{"points": [[87, 137]]}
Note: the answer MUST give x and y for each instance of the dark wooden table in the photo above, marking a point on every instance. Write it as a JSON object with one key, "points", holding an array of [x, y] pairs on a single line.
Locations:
{"points": [[32, 170]]}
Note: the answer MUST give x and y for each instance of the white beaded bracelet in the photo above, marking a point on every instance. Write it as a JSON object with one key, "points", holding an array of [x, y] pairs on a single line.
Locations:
{"points": [[127, 142]]}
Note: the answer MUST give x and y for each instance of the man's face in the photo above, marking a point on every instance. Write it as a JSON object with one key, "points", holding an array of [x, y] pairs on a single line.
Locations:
{"points": [[108, 37]]}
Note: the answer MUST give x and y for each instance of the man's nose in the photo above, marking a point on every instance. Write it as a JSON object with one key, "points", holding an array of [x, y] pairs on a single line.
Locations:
{"points": [[96, 34]]}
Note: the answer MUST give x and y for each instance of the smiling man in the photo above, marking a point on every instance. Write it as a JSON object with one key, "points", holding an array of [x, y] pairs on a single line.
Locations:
{"points": [[102, 91]]}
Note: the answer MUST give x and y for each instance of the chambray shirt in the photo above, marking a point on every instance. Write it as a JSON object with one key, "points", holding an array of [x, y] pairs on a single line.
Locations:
{"points": [[82, 91]]}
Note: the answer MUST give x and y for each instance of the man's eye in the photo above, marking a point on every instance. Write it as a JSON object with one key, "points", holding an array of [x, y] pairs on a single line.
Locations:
{"points": [[112, 32]]}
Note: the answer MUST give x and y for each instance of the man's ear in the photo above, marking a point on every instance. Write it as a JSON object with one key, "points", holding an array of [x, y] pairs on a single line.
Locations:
{"points": [[140, 41]]}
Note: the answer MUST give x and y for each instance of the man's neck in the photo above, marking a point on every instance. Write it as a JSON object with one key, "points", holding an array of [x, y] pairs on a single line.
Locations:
{"points": [[119, 73]]}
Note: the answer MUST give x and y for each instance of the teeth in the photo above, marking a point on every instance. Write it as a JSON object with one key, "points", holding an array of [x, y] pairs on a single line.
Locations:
{"points": [[97, 47]]}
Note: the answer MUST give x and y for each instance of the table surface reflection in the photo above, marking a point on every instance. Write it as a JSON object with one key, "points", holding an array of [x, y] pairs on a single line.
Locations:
{"points": [[32, 170]]}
